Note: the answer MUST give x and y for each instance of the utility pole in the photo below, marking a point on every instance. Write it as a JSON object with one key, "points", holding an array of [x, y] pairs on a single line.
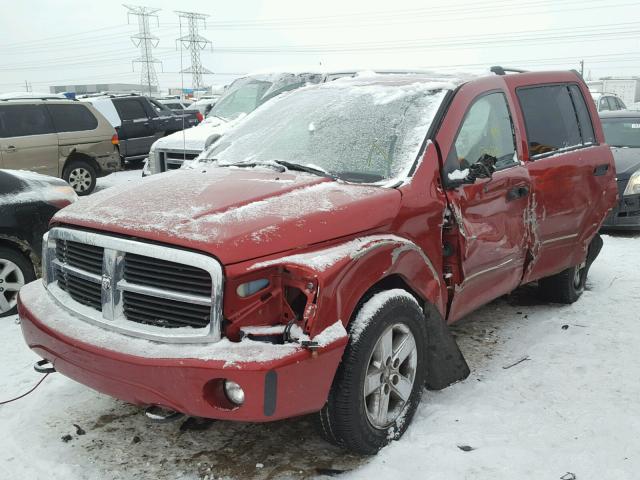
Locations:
{"points": [[146, 42], [195, 43], [582, 68], [27, 87]]}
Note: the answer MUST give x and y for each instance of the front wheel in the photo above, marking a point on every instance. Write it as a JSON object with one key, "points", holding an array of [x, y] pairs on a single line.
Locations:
{"points": [[379, 383], [15, 271], [81, 176]]}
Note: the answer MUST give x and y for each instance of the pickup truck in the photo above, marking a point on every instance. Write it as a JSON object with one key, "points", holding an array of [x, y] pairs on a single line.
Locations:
{"points": [[312, 260], [139, 121]]}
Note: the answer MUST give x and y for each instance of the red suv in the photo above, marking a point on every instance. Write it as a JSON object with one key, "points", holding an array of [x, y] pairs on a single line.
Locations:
{"points": [[312, 260]]}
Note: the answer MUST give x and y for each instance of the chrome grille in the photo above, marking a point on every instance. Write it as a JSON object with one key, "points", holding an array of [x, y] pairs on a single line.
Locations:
{"points": [[137, 288], [86, 257], [154, 272], [171, 160]]}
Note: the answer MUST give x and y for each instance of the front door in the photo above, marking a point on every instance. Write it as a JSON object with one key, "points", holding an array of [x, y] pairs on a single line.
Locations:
{"points": [[27, 139], [136, 132], [490, 213]]}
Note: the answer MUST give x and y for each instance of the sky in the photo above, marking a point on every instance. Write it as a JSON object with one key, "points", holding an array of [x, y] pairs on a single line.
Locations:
{"points": [[67, 42]]}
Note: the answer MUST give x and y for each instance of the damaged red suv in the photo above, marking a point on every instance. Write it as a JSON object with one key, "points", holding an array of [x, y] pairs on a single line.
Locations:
{"points": [[311, 260]]}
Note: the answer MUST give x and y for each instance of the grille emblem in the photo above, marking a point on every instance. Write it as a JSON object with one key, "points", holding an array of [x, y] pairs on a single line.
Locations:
{"points": [[106, 282]]}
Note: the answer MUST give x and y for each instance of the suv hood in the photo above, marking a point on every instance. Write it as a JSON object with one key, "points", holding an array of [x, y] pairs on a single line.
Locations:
{"points": [[235, 214], [627, 161], [195, 138]]}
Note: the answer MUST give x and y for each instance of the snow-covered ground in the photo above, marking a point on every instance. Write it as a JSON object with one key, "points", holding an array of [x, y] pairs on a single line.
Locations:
{"points": [[570, 408]]}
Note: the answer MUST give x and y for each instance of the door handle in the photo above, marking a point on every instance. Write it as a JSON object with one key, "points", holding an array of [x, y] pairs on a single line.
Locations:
{"points": [[601, 170], [517, 192], [11, 149]]}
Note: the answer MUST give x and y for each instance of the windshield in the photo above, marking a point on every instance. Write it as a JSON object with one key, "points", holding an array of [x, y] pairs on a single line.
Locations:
{"points": [[244, 98], [622, 132], [360, 133]]}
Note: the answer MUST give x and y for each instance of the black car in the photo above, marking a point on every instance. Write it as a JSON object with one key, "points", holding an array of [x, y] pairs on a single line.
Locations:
{"points": [[27, 203], [139, 121], [622, 133]]}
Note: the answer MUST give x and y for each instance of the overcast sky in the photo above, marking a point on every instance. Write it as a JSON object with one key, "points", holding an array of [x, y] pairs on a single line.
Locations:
{"points": [[76, 42]]}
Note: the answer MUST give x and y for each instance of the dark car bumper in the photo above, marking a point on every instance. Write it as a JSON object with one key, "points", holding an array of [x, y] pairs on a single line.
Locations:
{"points": [[626, 215]]}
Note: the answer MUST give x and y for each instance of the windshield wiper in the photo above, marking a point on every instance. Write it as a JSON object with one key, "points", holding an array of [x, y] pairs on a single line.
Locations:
{"points": [[279, 168], [305, 168]]}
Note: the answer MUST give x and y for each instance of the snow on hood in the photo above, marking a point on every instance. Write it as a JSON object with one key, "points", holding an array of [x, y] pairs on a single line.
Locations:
{"points": [[194, 138], [235, 214]]}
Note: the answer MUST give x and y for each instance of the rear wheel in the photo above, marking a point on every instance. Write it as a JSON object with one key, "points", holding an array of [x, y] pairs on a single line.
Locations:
{"points": [[15, 271], [379, 383], [81, 176], [566, 286]]}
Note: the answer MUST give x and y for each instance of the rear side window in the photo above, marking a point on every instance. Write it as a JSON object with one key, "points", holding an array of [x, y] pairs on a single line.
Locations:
{"points": [[130, 108], [24, 120], [584, 120], [72, 118], [550, 118], [604, 104]]}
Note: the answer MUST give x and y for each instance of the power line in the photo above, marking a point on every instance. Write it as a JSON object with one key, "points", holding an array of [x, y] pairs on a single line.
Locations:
{"points": [[195, 43], [146, 42]]}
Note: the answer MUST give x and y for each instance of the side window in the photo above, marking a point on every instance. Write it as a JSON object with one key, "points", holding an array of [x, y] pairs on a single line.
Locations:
{"points": [[485, 130], [586, 127], [550, 118], [25, 120], [130, 108], [604, 104], [72, 118]]}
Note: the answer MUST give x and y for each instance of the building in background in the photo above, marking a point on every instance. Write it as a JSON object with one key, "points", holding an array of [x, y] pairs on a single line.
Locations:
{"points": [[103, 87]]}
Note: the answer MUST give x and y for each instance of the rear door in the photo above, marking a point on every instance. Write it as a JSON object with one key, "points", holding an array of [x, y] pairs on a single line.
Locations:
{"points": [[137, 132], [489, 213], [571, 174], [28, 140]]}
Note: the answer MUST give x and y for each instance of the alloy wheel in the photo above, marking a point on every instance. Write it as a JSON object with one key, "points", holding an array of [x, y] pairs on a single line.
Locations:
{"points": [[11, 280], [390, 376], [80, 179]]}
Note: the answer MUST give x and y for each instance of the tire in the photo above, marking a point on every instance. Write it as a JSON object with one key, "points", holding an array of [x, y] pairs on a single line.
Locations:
{"points": [[565, 287], [15, 271], [81, 175], [351, 418]]}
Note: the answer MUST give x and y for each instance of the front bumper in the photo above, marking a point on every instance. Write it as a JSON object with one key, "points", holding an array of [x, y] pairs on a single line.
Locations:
{"points": [[626, 215], [277, 383]]}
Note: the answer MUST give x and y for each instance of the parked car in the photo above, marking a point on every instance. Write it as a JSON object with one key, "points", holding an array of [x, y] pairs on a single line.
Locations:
{"points": [[607, 101], [139, 122], [27, 203], [242, 97], [312, 259], [192, 117], [622, 133], [204, 105], [58, 137]]}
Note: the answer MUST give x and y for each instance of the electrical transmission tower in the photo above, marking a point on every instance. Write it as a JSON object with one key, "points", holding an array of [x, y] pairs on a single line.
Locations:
{"points": [[195, 43], [146, 42]]}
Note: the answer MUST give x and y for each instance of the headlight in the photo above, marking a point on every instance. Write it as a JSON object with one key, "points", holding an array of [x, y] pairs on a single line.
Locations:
{"points": [[633, 187], [252, 287], [59, 196]]}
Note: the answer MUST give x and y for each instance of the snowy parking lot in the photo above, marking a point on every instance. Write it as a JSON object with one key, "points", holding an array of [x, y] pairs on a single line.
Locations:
{"points": [[553, 394]]}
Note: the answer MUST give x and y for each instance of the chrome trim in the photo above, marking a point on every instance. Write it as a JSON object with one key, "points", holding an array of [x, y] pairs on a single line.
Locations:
{"points": [[487, 270], [113, 284], [558, 239]]}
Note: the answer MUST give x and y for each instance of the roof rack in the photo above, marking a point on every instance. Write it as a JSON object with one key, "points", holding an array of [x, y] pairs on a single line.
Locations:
{"points": [[8, 99], [503, 71]]}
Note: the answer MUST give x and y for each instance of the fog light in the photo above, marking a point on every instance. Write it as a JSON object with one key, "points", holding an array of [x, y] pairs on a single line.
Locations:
{"points": [[234, 392]]}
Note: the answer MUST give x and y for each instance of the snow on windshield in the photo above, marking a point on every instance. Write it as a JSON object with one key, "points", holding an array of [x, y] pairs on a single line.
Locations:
{"points": [[360, 132]]}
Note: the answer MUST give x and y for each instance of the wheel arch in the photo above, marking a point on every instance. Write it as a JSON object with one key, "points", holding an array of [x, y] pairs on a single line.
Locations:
{"points": [[75, 155], [24, 248]]}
